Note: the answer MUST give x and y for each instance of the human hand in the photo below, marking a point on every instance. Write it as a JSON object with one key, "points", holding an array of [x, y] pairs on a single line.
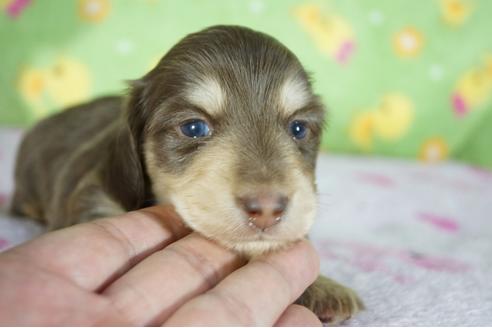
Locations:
{"points": [[145, 268]]}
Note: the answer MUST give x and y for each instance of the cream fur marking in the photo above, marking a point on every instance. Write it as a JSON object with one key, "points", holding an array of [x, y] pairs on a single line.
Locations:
{"points": [[206, 94], [204, 198], [294, 94]]}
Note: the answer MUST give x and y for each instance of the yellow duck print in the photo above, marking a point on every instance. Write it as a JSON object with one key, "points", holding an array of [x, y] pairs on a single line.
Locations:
{"points": [[434, 150], [332, 34], [473, 89], [362, 130], [408, 42], [94, 10], [456, 12], [65, 83], [390, 120]]}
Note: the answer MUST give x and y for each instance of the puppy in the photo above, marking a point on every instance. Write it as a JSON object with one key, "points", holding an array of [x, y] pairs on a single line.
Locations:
{"points": [[226, 128]]}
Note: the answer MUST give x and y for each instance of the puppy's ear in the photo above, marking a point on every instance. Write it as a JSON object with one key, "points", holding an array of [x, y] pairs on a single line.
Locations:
{"points": [[124, 175], [136, 111]]}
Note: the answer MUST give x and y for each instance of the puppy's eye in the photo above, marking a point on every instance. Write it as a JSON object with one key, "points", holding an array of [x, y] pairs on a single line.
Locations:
{"points": [[298, 130], [195, 129]]}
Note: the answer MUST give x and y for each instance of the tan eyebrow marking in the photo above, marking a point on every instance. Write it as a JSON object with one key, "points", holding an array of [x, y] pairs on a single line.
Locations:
{"points": [[294, 94], [206, 94]]}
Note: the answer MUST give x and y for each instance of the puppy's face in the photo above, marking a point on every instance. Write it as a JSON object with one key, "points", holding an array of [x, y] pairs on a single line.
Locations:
{"points": [[230, 133]]}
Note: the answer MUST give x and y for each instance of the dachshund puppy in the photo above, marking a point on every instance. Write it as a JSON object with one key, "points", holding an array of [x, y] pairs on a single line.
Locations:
{"points": [[226, 128]]}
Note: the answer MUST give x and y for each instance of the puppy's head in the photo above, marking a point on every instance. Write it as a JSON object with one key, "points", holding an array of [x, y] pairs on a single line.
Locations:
{"points": [[229, 130]]}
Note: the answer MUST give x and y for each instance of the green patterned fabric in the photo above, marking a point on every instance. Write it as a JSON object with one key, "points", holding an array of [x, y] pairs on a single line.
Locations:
{"points": [[402, 78]]}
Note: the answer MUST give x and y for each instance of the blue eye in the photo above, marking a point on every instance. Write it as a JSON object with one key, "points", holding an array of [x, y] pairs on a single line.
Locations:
{"points": [[298, 130], [195, 129]]}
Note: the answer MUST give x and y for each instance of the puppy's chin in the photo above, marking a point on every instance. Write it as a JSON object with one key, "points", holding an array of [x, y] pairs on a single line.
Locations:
{"points": [[246, 243], [256, 248], [228, 227]]}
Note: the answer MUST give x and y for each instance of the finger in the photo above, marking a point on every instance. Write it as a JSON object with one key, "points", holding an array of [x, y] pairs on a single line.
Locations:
{"points": [[298, 316], [95, 253], [255, 295], [151, 291], [30, 296]]}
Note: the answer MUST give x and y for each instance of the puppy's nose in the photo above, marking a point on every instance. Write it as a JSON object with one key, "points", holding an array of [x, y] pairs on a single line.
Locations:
{"points": [[263, 210]]}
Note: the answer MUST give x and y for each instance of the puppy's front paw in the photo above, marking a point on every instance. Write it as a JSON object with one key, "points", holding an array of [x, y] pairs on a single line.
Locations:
{"points": [[330, 301]]}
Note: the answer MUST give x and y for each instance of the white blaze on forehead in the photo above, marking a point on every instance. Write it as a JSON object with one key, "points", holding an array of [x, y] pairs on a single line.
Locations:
{"points": [[294, 94], [206, 94]]}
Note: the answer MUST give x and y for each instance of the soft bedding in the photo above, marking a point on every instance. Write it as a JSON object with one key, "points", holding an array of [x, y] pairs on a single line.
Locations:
{"points": [[414, 240]]}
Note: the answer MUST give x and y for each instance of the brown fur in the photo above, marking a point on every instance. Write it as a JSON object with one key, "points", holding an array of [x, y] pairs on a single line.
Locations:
{"points": [[114, 155]]}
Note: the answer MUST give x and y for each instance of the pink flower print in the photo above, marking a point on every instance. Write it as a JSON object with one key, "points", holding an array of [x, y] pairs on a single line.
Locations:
{"points": [[345, 51], [3, 199], [371, 258], [480, 172], [440, 222], [434, 263], [459, 105], [3, 244], [16, 7], [375, 179], [364, 257]]}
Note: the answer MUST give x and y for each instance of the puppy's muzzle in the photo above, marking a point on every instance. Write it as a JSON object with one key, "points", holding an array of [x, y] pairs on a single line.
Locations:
{"points": [[263, 210]]}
